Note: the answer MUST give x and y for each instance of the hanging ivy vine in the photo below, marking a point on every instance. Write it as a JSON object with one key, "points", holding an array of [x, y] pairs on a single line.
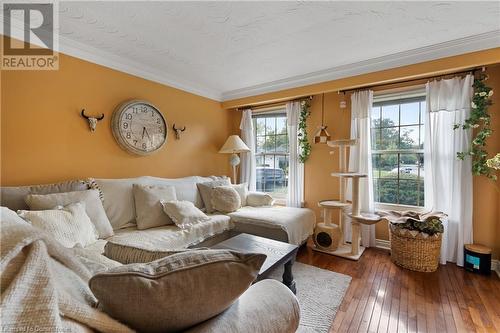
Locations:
{"points": [[479, 120], [304, 145]]}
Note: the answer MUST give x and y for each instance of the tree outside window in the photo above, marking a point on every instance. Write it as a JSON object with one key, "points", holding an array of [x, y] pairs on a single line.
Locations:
{"points": [[398, 151]]}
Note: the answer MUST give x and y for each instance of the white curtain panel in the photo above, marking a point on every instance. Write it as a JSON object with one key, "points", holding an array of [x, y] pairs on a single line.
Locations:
{"points": [[248, 164], [360, 160], [448, 180], [295, 196]]}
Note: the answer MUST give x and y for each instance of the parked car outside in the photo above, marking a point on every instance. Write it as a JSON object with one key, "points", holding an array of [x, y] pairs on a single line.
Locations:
{"points": [[267, 176], [409, 170]]}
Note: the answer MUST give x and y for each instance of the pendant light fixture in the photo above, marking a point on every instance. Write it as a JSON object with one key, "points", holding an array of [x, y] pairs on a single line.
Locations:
{"points": [[322, 135], [343, 103]]}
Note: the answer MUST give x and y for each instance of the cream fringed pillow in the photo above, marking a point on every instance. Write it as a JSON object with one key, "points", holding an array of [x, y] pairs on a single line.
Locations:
{"points": [[69, 225], [225, 199], [184, 213]]}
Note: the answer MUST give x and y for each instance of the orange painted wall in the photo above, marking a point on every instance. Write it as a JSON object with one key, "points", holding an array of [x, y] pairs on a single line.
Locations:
{"points": [[44, 139], [319, 185], [486, 215]]}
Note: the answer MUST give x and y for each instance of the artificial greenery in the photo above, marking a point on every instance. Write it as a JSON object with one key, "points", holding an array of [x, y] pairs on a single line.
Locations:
{"points": [[430, 226], [480, 120], [304, 145], [494, 162]]}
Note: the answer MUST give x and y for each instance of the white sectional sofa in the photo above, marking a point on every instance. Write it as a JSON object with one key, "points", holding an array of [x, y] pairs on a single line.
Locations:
{"points": [[293, 225], [267, 306]]}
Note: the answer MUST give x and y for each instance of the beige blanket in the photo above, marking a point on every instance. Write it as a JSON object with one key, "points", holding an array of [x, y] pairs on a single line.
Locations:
{"points": [[43, 287]]}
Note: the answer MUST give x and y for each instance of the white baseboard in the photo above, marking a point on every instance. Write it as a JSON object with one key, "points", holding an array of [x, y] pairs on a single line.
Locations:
{"points": [[382, 244], [495, 266]]}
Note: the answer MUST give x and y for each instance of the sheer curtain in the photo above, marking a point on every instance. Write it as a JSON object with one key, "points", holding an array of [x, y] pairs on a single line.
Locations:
{"points": [[360, 160], [247, 174], [448, 180], [295, 196]]}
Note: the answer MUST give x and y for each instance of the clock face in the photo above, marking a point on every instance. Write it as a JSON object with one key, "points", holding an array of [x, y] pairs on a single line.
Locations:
{"points": [[139, 127]]}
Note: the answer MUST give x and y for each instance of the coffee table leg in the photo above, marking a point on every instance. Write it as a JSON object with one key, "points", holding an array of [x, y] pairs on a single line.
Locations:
{"points": [[288, 277]]}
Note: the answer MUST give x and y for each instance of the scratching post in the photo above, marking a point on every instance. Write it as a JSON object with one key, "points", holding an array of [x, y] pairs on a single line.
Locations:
{"points": [[327, 233]]}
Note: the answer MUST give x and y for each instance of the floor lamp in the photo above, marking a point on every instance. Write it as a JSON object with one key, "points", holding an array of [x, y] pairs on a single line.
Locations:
{"points": [[234, 145]]}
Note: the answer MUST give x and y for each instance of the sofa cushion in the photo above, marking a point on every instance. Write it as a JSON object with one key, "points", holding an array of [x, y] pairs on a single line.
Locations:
{"points": [[13, 197], [298, 223], [133, 245], [206, 191], [69, 225], [178, 291], [118, 197], [267, 306], [93, 206], [148, 208], [225, 199]]}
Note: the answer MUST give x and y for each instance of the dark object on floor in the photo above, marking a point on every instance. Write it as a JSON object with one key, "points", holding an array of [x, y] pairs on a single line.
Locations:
{"points": [[477, 258]]}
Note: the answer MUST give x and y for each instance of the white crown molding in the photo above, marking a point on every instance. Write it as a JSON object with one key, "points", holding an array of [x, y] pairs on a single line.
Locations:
{"points": [[106, 59], [468, 44], [103, 58]]}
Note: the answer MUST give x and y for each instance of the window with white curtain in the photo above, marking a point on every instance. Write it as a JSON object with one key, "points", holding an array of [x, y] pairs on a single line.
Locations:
{"points": [[397, 136], [272, 151]]}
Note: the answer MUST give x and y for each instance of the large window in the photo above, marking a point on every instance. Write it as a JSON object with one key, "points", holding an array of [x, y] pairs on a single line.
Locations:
{"points": [[272, 153], [398, 151]]}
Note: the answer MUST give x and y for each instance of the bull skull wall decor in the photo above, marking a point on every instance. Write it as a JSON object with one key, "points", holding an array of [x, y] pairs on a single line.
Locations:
{"points": [[178, 131], [92, 120]]}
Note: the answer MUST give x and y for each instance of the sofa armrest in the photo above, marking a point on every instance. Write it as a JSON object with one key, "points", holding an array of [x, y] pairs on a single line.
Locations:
{"points": [[266, 307], [256, 199]]}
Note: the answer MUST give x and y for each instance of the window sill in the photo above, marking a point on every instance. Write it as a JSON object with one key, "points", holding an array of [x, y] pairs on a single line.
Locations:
{"points": [[396, 207]]}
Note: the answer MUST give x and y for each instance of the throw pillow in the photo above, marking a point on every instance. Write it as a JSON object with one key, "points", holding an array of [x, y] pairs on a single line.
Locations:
{"points": [[93, 206], [69, 225], [225, 199], [242, 190], [206, 192], [176, 292], [148, 209], [257, 199], [184, 213]]}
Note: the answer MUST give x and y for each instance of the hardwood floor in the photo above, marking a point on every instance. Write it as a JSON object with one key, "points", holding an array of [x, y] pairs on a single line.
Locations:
{"points": [[383, 297]]}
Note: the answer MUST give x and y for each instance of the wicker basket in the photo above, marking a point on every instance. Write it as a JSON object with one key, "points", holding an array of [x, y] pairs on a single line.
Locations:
{"points": [[415, 252]]}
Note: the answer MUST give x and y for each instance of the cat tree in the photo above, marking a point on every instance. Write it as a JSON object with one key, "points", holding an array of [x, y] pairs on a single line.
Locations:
{"points": [[329, 237]]}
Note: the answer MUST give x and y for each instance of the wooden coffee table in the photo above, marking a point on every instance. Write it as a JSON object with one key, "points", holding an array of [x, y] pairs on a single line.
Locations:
{"points": [[278, 253]]}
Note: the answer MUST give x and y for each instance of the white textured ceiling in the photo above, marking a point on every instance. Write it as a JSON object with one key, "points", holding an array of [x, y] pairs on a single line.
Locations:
{"points": [[222, 47]]}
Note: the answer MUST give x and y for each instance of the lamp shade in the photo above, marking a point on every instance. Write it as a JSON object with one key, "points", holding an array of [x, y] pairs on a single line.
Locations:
{"points": [[234, 145]]}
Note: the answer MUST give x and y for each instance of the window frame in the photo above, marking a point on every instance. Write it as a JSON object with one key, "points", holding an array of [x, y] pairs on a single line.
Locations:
{"points": [[404, 97], [277, 112]]}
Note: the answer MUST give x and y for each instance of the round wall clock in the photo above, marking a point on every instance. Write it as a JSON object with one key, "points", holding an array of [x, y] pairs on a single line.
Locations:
{"points": [[139, 127]]}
